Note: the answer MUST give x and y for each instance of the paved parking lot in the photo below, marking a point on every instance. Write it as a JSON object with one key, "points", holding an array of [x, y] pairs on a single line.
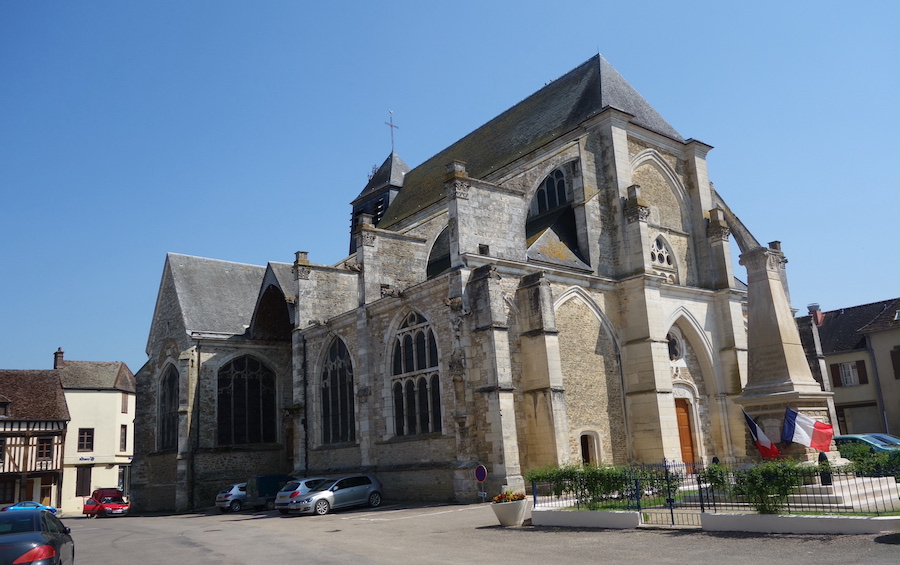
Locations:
{"points": [[451, 534]]}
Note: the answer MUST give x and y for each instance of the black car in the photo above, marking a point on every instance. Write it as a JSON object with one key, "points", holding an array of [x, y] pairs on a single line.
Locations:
{"points": [[28, 536]]}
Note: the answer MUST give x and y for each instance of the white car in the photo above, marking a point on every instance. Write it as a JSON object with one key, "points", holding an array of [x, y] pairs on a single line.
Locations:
{"points": [[232, 497], [290, 492]]}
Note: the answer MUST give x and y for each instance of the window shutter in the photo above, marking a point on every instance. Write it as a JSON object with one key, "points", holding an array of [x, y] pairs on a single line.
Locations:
{"points": [[835, 375], [861, 372], [895, 361]]}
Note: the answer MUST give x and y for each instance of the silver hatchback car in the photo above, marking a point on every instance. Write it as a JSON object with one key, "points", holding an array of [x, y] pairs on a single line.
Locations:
{"points": [[352, 490], [232, 497], [289, 493]]}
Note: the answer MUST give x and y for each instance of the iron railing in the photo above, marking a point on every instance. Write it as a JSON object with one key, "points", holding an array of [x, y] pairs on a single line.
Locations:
{"points": [[681, 489]]}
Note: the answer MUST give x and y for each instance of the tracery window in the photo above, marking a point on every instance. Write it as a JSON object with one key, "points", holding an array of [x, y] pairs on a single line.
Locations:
{"points": [[416, 387], [246, 403], [551, 195], [662, 260], [167, 415], [338, 407]]}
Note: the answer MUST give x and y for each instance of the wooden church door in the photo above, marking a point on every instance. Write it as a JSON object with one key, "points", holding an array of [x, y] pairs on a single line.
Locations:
{"points": [[683, 414]]}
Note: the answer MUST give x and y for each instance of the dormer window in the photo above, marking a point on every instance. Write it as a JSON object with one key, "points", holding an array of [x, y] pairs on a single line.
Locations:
{"points": [[4, 409]]}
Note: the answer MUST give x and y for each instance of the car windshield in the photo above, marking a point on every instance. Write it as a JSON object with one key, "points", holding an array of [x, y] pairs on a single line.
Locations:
{"points": [[226, 490], [113, 500], [291, 486]]}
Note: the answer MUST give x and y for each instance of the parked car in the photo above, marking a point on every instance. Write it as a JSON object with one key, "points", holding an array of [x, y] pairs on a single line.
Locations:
{"points": [[262, 489], [232, 497], [288, 494], [101, 493], [893, 440], [28, 505], [869, 440], [35, 535], [106, 506], [353, 490]]}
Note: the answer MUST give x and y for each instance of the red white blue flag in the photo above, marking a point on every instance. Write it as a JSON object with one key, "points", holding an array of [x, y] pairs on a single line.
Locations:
{"points": [[763, 444], [804, 430]]}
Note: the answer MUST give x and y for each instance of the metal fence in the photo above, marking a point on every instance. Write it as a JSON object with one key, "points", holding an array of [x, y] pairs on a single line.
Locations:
{"points": [[675, 494]]}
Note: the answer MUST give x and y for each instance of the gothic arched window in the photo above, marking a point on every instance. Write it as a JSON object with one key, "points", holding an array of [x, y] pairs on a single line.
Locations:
{"points": [[551, 195], [662, 260], [167, 417], [338, 406], [416, 387], [246, 403]]}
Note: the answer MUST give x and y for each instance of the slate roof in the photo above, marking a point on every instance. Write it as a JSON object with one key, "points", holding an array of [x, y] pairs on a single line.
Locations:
{"points": [[34, 395], [559, 107], [390, 173], [215, 296], [96, 375], [284, 274], [844, 329]]}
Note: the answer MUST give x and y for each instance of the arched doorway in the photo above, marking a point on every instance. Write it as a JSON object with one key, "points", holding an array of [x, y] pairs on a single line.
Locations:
{"points": [[685, 433]]}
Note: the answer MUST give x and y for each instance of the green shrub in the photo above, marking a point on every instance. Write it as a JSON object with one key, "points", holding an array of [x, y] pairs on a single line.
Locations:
{"points": [[716, 476], [766, 486]]}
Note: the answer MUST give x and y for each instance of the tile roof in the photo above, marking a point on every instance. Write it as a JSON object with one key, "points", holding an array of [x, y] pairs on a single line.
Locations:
{"points": [[843, 329], [554, 110], [96, 375], [34, 395]]}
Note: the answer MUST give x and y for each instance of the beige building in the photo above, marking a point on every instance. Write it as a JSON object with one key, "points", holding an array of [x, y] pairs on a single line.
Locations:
{"points": [[854, 353], [99, 445], [554, 287]]}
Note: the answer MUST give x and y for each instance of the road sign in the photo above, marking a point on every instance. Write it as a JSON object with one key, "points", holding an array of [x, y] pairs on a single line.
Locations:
{"points": [[481, 473]]}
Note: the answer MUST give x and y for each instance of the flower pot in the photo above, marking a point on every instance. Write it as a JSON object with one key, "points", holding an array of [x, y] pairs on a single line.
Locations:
{"points": [[510, 513]]}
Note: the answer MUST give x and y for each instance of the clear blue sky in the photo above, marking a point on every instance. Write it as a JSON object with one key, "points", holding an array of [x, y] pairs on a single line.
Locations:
{"points": [[242, 130]]}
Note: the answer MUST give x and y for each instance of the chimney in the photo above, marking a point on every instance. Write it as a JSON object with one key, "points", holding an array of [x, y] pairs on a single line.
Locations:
{"points": [[817, 315], [58, 361]]}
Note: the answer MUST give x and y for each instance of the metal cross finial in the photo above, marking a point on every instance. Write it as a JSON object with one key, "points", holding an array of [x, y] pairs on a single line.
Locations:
{"points": [[393, 127]]}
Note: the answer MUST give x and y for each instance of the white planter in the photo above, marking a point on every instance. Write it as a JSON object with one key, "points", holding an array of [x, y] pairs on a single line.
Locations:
{"points": [[779, 524], [511, 513], [586, 519]]}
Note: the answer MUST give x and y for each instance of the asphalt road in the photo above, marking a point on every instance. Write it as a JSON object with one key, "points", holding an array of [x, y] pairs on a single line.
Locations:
{"points": [[453, 534]]}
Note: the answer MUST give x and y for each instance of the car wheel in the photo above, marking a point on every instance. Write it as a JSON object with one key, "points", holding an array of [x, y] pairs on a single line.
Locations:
{"points": [[282, 511], [322, 507], [270, 505], [375, 499], [235, 506]]}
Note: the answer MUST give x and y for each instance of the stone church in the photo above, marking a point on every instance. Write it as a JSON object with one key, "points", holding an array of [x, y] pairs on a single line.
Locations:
{"points": [[554, 287]]}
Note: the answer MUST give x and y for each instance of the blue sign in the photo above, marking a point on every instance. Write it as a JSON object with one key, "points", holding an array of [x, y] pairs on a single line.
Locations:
{"points": [[481, 473]]}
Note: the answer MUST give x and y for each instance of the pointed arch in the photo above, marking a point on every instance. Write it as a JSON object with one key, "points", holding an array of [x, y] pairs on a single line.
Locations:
{"points": [[415, 387], [664, 261], [272, 318], [694, 333], [337, 393], [578, 293], [167, 408], [246, 402], [654, 158], [439, 255]]}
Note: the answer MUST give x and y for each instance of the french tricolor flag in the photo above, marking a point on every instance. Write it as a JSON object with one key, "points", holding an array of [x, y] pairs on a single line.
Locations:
{"points": [[804, 430], [763, 444]]}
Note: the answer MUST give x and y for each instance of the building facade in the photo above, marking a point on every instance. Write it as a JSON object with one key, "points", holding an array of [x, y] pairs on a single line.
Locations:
{"points": [[33, 424], [99, 446], [554, 287], [854, 353]]}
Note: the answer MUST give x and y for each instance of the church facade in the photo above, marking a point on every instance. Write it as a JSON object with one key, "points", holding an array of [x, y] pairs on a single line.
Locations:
{"points": [[555, 287]]}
